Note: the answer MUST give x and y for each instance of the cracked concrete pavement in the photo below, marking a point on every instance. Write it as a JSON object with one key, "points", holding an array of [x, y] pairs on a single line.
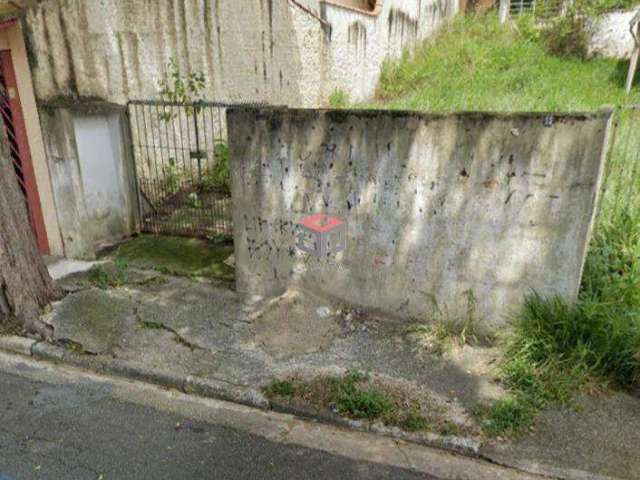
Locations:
{"points": [[202, 330], [199, 337]]}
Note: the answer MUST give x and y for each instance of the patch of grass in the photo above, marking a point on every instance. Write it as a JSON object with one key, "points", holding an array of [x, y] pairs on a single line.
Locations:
{"points": [[415, 422], [150, 325], [281, 388], [354, 395], [339, 99], [508, 417], [476, 63], [604, 6], [178, 256], [351, 399]]}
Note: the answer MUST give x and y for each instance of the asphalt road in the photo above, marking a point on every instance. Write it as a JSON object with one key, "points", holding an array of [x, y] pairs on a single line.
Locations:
{"points": [[81, 432]]}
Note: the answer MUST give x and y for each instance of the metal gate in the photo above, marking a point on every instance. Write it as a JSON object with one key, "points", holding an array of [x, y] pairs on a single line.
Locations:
{"points": [[182, 166]]}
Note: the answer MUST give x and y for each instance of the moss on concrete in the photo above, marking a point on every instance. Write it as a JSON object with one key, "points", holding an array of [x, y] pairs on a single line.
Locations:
{"points": [[178, 256]]}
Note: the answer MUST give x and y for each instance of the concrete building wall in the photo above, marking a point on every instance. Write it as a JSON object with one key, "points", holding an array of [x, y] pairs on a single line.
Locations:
{"points": [[116, 50], [360, 42], [611, 36], [281, 52], [456, 212]]}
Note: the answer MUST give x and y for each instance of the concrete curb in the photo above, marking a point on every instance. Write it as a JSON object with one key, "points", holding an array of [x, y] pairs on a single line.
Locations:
{"points": [[222, 390], [251, 397], [462, 445], [15, 344]]}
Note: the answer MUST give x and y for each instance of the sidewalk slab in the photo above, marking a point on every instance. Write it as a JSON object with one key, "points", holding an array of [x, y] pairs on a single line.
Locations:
{"points": [[201, 338]]}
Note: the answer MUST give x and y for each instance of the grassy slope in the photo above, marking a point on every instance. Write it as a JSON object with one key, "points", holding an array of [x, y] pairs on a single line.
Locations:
{"points": [[476, 64], [554, 349]]}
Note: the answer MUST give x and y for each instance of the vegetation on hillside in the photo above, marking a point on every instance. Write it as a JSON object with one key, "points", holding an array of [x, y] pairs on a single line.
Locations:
{"points": [[476, 63]]}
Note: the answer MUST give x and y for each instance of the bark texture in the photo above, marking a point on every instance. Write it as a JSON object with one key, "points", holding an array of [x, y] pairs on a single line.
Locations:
{"points": [[25, 284]]}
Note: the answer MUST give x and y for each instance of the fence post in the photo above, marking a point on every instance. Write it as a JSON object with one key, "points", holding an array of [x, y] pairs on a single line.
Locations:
{"points": [[504, 10], [128, 132]]}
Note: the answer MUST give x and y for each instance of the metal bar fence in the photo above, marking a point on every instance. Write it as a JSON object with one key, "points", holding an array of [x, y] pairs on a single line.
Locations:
{"points": [[182, 165]]}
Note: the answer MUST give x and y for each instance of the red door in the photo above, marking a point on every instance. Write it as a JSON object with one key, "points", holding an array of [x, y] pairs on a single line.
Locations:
{"points": [[16, 133]]}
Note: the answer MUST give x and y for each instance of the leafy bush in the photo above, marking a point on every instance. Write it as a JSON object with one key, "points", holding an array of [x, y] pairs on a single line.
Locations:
{"points": [[219, 176], [568, 35]]}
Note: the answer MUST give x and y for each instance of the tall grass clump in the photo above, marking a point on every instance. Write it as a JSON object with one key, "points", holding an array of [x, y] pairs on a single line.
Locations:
{"points": [[556, 350]]}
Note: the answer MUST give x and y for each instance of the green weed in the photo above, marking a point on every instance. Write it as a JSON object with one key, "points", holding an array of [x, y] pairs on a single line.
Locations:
{"points": [[281, 388], [352, 395], [338, 99], [109, 276]]}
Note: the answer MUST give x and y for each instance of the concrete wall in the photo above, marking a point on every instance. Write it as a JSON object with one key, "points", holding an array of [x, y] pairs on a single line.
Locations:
{"points": [[361, 42], [282, 52], [92, 175], [611, 36], [116, 50], [439, 209]]}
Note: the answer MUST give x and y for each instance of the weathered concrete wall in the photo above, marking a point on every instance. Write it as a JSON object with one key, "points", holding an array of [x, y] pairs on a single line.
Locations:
{"points": [[361, 42], [92, 176], [439, 209], [116, 50], [611, 36], [281, 52]]}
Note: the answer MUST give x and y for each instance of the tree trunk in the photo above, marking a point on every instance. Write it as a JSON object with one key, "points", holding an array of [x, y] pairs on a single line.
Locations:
{"points": [[25, 284]]}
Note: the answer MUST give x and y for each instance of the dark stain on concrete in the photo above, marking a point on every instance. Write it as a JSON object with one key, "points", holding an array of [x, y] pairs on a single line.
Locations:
{"points": [[65, 28], [123, 65]]}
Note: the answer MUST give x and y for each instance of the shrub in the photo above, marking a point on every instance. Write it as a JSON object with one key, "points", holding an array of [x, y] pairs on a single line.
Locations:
{"points": [[219, 177], [568, 35]]}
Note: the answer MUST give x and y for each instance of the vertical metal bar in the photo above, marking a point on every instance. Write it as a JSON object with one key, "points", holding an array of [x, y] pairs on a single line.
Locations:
{"points": [[157, 197], [195, 121]]}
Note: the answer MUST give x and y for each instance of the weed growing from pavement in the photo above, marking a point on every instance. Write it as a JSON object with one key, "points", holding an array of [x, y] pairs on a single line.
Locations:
{"points": [[440, 332], [109, 277], [358, 396]]}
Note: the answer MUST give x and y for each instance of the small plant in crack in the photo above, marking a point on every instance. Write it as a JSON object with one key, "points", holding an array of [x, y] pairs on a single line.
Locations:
{"points": [[150, 325], [73, 347], [109, 277], [441, 331]]}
